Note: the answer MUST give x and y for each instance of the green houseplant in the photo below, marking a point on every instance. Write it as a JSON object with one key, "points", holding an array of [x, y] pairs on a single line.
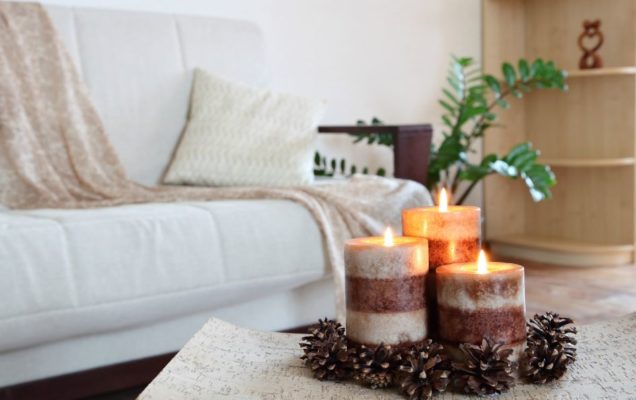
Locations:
{"points": [[470, 102], [330, 168]]}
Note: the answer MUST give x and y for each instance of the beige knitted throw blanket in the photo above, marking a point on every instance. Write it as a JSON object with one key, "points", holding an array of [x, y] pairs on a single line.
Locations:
{"points": [[54, 152]]}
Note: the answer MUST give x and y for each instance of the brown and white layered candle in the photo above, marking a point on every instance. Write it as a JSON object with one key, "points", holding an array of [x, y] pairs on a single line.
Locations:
{"points": [[453, 234], [483, 299], [385, 290]]}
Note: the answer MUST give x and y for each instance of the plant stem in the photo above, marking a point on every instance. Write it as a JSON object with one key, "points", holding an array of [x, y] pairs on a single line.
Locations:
{"points": [[482, 118], [452, 185], [469, 138], [455, 182], [469, 189]]}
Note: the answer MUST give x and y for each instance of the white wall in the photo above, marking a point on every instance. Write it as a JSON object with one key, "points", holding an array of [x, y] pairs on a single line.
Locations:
{"points": [[385, 58]]}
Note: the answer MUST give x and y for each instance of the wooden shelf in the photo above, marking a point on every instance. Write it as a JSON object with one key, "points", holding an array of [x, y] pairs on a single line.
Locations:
{"points": [[561, 252], [586, 134], [578, 73], [588, 163]]}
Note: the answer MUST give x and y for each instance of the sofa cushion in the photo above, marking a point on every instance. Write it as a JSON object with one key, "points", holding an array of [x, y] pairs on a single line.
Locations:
{"points": [[67, 273], [238, 135]]}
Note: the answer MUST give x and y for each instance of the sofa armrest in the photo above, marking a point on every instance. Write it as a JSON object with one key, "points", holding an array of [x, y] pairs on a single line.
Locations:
{"points": [[411, 146]]}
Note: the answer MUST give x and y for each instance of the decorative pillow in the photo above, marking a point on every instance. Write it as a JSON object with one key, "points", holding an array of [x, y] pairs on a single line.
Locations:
{"points": [[242, 136]]}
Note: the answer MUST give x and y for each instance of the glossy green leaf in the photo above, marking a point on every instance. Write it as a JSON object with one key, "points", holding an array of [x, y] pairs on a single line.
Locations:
{"points": [[474, 173], [537, 68], [539, 179], [524, 70], [447, 121], [465, 61], [489, 116], [520, 162], [524, 161], [493, 84], [502, 103], [517, 151], [451, 97], [456, 86], [509, 74], [358, 138], [448, 107]]}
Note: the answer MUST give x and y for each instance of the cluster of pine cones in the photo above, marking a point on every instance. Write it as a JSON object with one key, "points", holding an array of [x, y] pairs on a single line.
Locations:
{"points": [[419, 371], [423, 370]]}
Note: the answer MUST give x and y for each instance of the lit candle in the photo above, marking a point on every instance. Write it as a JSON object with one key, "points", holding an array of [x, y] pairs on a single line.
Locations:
{"points": [[453, 234], [385, 289], [483, 299]]}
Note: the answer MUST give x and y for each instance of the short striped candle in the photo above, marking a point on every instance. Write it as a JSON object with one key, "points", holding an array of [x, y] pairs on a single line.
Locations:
{"points": [[483, 299], [385, 290]]}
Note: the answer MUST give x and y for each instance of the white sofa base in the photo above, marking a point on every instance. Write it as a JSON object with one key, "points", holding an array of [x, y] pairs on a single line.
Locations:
{"points": [[276, 312]]}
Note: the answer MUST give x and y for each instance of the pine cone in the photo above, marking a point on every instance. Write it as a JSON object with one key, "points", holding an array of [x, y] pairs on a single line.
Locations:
{"points": [[425, 370], [376, 367], [487, 369], [551, 347], [327, 352]]}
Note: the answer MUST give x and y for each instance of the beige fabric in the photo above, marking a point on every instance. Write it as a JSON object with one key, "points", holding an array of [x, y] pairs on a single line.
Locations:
{"points": [[238, 135], [54, 151]]}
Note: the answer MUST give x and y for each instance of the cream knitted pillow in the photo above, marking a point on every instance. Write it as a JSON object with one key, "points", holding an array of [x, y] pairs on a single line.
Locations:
{"points": [[241, 136]]}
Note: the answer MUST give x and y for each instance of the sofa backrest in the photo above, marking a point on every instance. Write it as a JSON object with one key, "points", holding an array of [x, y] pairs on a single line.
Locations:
{"points": [[138, 67]]}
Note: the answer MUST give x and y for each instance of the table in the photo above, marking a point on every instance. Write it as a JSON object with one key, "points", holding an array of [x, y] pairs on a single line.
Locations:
{"points": [[223, 361]]}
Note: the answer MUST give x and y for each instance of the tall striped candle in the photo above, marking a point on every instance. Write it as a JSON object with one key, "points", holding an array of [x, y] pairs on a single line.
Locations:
{"points": [[454, 236], [385, 290]]}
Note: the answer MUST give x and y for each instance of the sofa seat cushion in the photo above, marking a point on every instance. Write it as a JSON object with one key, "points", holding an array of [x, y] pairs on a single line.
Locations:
{"points": [[66, 273]]}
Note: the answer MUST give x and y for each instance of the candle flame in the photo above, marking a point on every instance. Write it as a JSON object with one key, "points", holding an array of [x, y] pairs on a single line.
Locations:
{"points": [[482, 263], [443, 200], [388, 236]]}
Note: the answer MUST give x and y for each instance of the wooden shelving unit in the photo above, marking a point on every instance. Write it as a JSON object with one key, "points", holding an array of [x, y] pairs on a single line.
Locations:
{"points": [[586, 134], [578, 73], [557, 251], [588, 163]]}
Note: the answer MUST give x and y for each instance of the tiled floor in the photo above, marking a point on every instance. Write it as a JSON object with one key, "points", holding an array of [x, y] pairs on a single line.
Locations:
{"points": [[587, 295]]}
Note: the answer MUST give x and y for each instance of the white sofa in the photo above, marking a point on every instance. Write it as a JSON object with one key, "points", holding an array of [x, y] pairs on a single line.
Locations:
{"points": [[86, 288]]}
